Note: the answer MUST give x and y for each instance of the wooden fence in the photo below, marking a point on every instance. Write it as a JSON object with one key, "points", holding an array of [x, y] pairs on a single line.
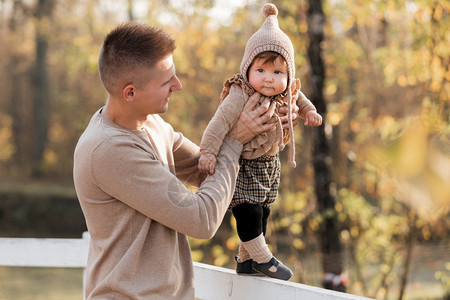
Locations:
{"points": [[211, 282]]}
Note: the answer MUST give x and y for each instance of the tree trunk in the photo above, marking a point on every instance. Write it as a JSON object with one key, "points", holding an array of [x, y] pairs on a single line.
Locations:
{"points": [[40, 85], [412, 235], [130, 10], [17, 92], [329, 230]]}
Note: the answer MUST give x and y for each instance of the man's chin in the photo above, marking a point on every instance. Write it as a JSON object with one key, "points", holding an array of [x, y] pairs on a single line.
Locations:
{"points": [[164, 108]]}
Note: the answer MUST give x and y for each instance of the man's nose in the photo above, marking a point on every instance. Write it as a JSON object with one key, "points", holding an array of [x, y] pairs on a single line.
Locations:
{"points": [[177, 84]]}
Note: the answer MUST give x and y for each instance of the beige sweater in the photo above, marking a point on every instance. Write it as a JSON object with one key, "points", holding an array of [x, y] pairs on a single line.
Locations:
{"points": [[138, 212], [235, 94]]}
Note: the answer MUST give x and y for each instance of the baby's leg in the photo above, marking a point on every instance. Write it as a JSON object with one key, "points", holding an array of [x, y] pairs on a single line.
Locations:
{"points": [[266, 213], [243, 253], [249, 223]]}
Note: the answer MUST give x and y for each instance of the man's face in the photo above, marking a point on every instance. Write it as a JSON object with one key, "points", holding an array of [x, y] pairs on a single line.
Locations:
{"points": [[153, 97], [268, 78]]}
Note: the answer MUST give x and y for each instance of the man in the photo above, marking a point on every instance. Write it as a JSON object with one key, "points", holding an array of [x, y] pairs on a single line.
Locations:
{"points": [[129, 166]]}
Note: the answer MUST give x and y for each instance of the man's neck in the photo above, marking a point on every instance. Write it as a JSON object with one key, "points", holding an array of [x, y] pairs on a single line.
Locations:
{"points": [[122, 116]]}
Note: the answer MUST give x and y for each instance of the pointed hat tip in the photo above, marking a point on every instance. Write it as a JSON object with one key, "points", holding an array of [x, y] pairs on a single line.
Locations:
{"points": [[270, 9]]}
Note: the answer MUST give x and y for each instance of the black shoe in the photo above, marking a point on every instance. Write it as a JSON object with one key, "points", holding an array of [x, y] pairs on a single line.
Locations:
{"points": [[273, 268], [245, 268]]}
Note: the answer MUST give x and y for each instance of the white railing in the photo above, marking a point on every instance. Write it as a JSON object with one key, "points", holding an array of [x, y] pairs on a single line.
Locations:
{"points": [[210, 282]]}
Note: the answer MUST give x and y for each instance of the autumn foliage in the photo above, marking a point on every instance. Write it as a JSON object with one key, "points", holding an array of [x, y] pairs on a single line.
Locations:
{"points": [[387, 90]]}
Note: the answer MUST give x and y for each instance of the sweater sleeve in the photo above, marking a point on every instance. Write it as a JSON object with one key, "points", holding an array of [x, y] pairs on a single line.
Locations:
{"points": [[186, 155], [138, 179], [226, 115], [304, 105]]}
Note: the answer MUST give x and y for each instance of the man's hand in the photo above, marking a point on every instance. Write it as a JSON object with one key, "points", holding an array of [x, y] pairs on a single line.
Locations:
{"points": [[253, 120]]}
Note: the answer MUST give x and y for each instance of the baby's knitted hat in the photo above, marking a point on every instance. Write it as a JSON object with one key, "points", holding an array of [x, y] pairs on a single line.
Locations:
{"points": [[271, 38]]}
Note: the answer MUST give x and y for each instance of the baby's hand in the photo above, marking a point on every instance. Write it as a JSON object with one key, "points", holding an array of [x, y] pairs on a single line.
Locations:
{"points": [[312, 118], [207, 163]]}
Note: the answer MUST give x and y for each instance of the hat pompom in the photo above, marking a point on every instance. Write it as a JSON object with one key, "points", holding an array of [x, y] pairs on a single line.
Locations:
{"points": [[270, 9]]}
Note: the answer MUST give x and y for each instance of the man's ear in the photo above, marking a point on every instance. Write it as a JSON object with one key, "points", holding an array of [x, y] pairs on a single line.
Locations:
{"points": [[129, 92]]}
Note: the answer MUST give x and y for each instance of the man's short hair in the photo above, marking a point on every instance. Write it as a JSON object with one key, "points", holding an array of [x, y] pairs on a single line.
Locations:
{"points": [[129, 47]]}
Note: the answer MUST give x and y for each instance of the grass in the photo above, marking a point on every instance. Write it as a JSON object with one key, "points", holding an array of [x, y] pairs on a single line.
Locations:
{"points": [[21, 283]]}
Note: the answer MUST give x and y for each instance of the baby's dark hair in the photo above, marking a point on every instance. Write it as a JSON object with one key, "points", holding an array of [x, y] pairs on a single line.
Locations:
{"points": [[130, 46], [269, 56]]}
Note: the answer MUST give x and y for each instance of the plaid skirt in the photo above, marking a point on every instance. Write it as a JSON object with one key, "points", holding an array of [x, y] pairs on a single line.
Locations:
{"points": [[258, 181]]}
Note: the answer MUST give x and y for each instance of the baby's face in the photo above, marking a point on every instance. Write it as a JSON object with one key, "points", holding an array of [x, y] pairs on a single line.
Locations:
{"points": [[268, 78]]}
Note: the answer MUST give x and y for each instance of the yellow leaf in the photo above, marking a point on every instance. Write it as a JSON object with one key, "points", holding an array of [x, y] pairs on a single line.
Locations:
{"points": [[331, 89], [299, 244], [345, 235], [412, 80], [221, 260], [410, 159], [437, 14], [354, 231], [7, 148], [296, 228], [197, 255], [402, 81], [334, 118], [232, 243], [349, 22]]}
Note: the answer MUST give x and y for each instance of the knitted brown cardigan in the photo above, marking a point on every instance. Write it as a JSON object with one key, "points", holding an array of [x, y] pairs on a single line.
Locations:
{"points": [[234, 96]]}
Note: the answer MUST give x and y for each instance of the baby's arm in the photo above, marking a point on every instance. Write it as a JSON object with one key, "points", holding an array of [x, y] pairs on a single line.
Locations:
{"points": [[207, 163], [224, 118], [312, 118], [308, 111]]}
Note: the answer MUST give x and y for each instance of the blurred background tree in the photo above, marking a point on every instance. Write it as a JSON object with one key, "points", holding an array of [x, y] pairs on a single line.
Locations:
{"points": [[387, 124]]}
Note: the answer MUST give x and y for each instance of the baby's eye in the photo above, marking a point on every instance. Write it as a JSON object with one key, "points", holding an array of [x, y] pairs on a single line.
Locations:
{"points": [[260, 70], [278, 72]]}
